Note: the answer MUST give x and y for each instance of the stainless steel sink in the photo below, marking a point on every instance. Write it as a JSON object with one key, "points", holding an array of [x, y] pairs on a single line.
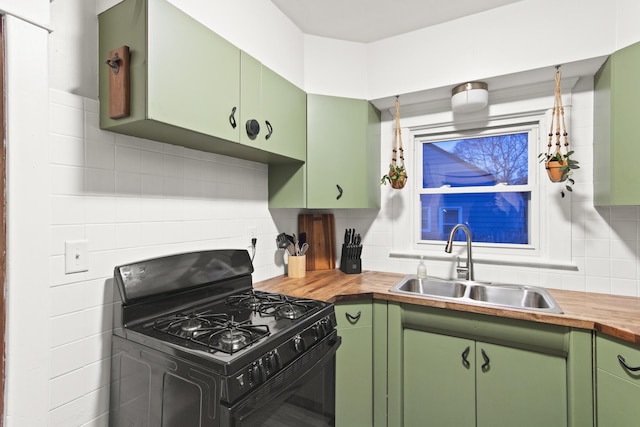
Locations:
{"points": [[414, 285], [516, 296], [520, 297]]}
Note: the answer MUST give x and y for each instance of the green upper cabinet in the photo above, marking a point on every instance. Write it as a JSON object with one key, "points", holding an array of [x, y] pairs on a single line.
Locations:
{"points": [[616, 139], [277, 106], [343, 158], [343, 153], [185, 79], [186, 87]]}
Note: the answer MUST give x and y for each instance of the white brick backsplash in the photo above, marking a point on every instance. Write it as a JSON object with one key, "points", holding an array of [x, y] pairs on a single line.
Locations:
{"points": [[68, 327], [67, 180], [128, 159], [99, 182], [67, 210], [66, 150]]}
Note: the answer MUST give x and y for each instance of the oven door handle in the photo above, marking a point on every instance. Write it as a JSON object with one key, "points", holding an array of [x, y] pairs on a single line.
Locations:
{"points": [[243, 409]]}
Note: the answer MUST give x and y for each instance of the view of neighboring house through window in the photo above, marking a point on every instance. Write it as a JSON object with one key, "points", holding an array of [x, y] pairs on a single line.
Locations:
{"points": [[480, 179]]}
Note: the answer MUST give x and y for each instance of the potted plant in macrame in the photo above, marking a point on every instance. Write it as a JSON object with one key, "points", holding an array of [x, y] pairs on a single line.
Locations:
{"points": [[558, 161], [397, 175]]}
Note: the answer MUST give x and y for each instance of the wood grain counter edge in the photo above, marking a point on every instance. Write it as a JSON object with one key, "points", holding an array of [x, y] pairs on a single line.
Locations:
{"points": [[614, 315]]}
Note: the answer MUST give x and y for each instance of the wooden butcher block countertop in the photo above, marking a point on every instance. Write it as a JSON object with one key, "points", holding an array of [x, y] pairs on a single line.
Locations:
{"points": [[613, 315]]}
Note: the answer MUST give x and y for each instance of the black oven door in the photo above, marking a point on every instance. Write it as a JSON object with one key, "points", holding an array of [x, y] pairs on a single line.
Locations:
{"points": [[302, 394]]}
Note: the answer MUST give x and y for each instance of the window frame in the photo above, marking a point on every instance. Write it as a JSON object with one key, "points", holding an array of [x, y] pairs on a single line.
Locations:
{"points": [[447, 133]]}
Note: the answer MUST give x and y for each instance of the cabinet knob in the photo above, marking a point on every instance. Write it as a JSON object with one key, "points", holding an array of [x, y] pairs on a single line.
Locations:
{"points": [[253, 128], [339, 192]]}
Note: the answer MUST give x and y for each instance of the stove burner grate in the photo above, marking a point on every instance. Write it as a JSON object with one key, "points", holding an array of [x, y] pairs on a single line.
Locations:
{"points": [[216, 331], [230, 336], [183, 325], [288, 308]]}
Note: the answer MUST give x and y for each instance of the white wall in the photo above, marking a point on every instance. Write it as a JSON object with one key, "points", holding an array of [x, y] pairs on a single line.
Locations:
{"points": [[27, 334]]}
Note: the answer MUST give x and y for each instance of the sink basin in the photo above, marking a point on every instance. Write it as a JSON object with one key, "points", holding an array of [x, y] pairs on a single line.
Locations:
{"points": [[478, 293], [515, 296], [414, 285]]}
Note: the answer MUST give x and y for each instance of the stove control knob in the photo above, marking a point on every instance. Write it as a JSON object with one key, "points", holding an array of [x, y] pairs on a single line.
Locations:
{"points": [[318, 331], [298, 344], [273, 361], [326, 325], [257, 373]]}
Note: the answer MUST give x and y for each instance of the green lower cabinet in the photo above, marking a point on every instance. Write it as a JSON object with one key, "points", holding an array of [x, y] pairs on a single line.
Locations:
{"points": [[618, 388], [354, 365], [451, 381], [439, 389], [452, 368], [516, 387]]}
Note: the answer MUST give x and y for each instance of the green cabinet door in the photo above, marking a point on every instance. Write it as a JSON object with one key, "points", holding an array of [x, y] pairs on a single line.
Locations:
{"points": [[618, 387], [516, 387], [250, 100], [354, 365], [343, 152], [284, 107], [185, 79], [278, 107], [616, 138], [193, 74], [438, 380]]}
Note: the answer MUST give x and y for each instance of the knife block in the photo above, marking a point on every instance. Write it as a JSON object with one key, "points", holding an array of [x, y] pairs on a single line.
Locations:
{"points": [[349, 265]]}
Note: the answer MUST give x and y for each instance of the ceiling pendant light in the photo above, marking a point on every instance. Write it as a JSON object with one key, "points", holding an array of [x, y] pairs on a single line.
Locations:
{"points": [[469, 97]]}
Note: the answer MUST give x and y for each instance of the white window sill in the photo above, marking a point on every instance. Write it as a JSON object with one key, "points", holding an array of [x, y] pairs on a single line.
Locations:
{"points": [[505, 261]]}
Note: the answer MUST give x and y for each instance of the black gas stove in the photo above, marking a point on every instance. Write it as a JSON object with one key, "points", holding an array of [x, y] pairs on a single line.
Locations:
{"points": [[198, 312]]}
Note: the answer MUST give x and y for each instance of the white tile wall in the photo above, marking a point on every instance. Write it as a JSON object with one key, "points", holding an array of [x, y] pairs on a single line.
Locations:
{"points": [[132, 199]]}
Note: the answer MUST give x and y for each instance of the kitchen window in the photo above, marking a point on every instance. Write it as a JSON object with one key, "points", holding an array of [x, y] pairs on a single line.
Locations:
{"points": [[485, 178]]}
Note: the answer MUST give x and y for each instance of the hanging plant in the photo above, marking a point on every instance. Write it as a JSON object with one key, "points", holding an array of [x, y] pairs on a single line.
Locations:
{"points": [[557, 159], [397, 175]]}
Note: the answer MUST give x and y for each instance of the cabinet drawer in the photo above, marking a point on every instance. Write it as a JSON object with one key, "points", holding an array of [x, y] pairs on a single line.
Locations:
{"points": [[352, 315], [607, 351]]}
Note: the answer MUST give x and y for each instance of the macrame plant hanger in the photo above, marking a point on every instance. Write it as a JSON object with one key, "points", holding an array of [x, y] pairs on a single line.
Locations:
{"points": [[397, 173], [557, 159]]}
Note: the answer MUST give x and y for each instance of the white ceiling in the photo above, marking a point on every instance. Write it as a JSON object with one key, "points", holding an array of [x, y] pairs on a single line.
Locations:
{"points": [[371, 20]]}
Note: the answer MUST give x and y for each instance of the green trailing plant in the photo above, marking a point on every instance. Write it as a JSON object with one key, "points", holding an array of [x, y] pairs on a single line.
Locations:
{"points": [[560, 167], [397, 176], [559, 162]]}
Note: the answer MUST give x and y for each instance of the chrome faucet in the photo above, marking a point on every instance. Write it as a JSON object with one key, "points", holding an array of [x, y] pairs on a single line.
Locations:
{"points": [[467, 269]]}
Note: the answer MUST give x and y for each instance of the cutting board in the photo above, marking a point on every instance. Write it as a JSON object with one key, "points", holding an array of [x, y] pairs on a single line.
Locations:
{"points": [[321, 236]]}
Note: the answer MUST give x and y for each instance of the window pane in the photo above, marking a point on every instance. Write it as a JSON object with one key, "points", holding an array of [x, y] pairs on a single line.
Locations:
{"points": [[476, 162], [491, 217]]}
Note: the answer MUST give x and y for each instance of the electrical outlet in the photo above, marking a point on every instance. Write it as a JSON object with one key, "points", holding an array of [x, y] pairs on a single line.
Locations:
{"points": [[76, 256], [253, 232]]}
